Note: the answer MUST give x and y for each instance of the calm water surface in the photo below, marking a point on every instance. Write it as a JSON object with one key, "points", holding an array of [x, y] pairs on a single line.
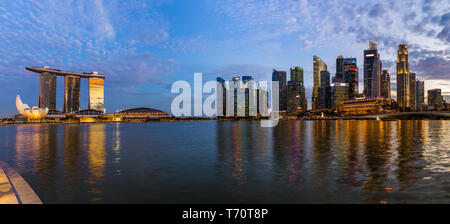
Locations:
{"points": [[234, 162]]}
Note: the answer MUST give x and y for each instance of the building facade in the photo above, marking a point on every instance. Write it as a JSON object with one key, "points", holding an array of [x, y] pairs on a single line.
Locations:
{"points": [[420, 95], [244, 98], [412, 91], [96, 94], [318, 66], [280, 76], [435, 99], [221, 100], [296, 97], [372, 69], [325, 91], [71, 94], [386, 84], [403, 83], [364, 106], [340, 92], [339, 76], [47, 91], [351, 74]]}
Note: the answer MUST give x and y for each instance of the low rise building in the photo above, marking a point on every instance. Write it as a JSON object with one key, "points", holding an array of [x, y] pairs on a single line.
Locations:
{"points": [[364, 105]]}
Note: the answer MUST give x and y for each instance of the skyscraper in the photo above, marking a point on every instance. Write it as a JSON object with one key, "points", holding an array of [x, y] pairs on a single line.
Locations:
{"points": [[412, 90], [296, 96], [351, 74], [232, 96], [221, 100], [47, 90], [318, 66], [325, 91], [435, 99], [340, 91], [97, 93], [403, 84], [420, 95], [385, 84], [280, 76], [71, 94], [339, 76], [372, 71]]}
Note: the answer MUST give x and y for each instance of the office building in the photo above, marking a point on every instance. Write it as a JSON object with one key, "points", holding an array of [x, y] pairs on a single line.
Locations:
{"points": [[324, 91], [339, 76], [435, 99], [221, 100], [351, 74], [412, 91], [386, 84], [318, 66], [372, 71], [420, 95], [296, 96], [340, 92], [403, 83], [280, 76]]}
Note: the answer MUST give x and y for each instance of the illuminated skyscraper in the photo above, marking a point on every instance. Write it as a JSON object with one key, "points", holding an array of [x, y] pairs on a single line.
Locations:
{"points": [[324, 91], [96, 94], [351, 74], [435, 99], [280, 76], [318, 66], [372, 71], [420, 95], [296, 96], [403, 84], [412, 90], [385, 84], [339, 77], [340, 93], [71, 94], [47, 90]]}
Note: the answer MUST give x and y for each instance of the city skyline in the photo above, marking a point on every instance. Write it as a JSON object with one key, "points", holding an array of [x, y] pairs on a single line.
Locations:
{"points": [[168, 41]]}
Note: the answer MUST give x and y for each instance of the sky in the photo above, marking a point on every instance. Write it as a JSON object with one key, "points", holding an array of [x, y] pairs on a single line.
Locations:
{"points": [[144, 46]]}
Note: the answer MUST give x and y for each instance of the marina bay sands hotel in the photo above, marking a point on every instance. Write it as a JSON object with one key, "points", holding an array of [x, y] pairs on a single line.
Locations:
{"points": [[47, 89]]}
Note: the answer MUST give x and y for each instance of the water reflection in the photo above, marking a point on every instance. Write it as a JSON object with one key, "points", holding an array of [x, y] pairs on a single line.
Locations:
{"points": [[73, 150], [295, 162], [96, 152]]}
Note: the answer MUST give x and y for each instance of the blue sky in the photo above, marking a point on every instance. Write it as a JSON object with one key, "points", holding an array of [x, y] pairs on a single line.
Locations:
{"points": [[144, 46]]}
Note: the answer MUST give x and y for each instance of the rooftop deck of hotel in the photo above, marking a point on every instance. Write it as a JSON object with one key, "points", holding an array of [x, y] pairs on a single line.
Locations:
{"points": [[61, 73]]}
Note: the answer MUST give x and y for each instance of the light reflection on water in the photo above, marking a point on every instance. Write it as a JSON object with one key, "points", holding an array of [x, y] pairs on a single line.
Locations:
{"points": [[234, 162]]}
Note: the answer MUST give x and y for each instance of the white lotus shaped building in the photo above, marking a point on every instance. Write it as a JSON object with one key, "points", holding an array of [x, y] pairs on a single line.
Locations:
{"points": [[33, 113]]}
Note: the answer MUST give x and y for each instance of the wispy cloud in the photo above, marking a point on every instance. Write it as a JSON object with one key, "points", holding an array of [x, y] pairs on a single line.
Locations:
{"points": [[425, 25]]}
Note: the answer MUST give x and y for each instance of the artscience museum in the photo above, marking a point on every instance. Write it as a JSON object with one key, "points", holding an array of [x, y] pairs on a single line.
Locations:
{"points": [[34, 113]]}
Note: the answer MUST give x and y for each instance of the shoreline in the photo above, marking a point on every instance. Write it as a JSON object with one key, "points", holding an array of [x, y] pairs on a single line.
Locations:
{"points": [[12, 123]]}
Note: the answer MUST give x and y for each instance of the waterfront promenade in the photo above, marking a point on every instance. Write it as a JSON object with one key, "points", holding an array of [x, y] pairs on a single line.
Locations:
{"points": [[14, 189]]}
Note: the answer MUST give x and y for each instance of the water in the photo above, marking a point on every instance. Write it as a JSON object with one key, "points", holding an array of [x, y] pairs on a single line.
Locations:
{"points": [[234, 162]]}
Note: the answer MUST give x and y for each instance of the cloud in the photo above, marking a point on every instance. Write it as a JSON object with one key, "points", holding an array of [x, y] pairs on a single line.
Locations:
{"points": [[423, 25]]}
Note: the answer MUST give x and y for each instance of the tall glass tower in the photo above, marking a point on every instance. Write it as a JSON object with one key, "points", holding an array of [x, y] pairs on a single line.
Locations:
{"points": [[319, 66], [280, 76], [47, 91], [71, 93], [372, 70], [96, 94], [385, 84], [403, 83]]}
